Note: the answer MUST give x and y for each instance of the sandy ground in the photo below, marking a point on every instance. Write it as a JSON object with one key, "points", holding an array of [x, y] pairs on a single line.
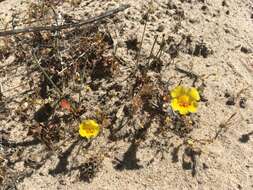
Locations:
{"points": [[226, 29]]}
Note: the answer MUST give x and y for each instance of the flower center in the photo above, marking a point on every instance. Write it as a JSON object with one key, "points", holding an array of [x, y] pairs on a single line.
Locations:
{"points": [[184, 101], [89, 130]]}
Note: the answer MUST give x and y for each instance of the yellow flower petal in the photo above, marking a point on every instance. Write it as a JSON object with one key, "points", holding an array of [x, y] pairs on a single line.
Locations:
{"points": [[179, 90], [174, 104], [183, 110], [193, 107], [194, 94]]}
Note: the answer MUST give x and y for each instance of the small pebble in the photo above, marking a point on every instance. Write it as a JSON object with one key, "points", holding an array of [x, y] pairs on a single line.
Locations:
{"points": [[226, 95], [230, 101], [224, 3], [246, 50], [161, 28], [193, 20], [244, 138], [242, 103], [204, 8], [205, 166]]}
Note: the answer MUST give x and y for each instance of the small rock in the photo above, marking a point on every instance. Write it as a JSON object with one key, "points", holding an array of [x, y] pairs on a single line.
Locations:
{"points": [[148, 35], [242, 102], [230, 101], [227, 95], [224, 3], [205, 166], [142, 22], [161, 28], [159, 15], [244, 138], [193, 20], [246, 50], [239, 186], [204, 8], [226, 30]]}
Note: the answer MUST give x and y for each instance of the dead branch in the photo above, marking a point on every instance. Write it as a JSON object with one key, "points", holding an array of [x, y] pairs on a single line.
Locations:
{"points": [[65, 26]]}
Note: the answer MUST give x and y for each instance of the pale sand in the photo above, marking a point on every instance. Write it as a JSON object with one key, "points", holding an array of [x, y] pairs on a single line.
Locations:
{"points": [[229, 162]]}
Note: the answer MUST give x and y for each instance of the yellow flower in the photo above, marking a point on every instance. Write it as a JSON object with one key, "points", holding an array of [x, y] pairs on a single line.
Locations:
{"points": [[89, 128], [184, 99]]}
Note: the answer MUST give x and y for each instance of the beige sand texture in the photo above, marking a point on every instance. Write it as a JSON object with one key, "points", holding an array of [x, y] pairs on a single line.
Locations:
{"points": [[225, 27]]}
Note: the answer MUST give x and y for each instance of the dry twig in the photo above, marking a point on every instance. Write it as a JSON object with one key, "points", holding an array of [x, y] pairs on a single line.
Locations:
{"points": [[65, 26]]}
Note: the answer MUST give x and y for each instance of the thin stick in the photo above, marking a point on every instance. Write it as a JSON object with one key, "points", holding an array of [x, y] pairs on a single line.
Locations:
{"points": [[142, 38], [1, 92], [152, 49], [65, 26], [37, 62], [163, 43]]}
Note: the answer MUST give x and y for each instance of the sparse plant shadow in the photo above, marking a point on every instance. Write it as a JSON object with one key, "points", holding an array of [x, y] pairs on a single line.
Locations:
{"points": [[23, 144], [174, 154], [129, 162], [63, 160]]}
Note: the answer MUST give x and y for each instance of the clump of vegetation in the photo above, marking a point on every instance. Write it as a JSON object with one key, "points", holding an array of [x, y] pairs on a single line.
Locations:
{"points": [[76, 91]]}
